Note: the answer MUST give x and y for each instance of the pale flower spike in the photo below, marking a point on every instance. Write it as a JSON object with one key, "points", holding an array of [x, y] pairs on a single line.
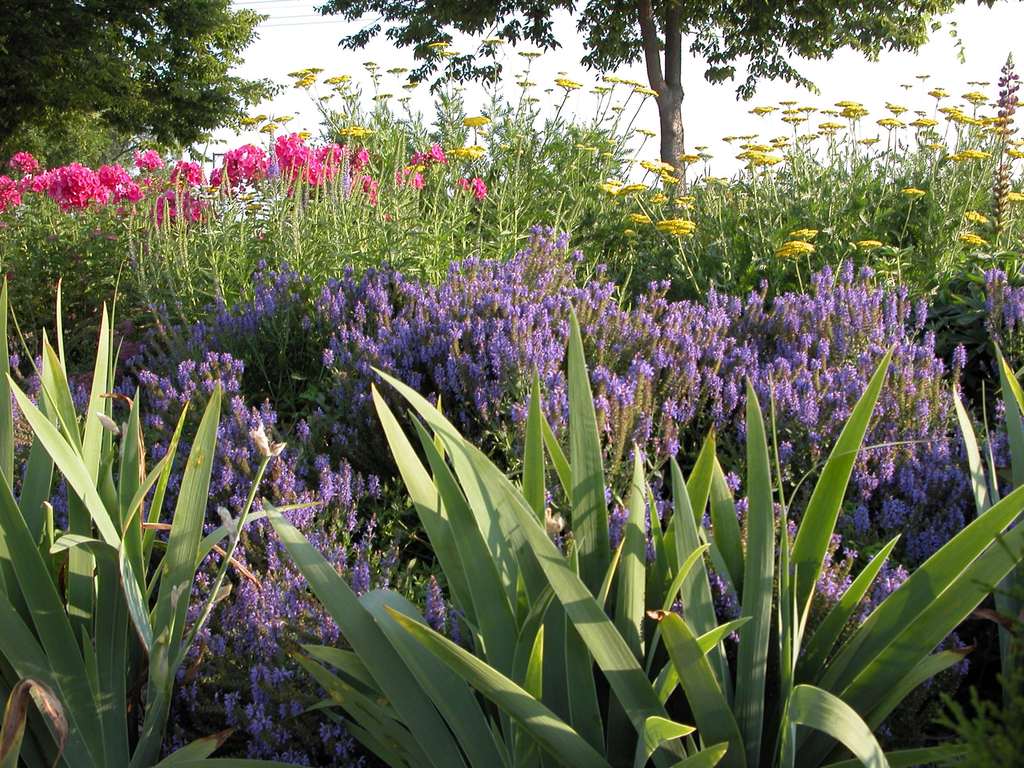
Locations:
{"points": [[263, 445], [108, 423]]}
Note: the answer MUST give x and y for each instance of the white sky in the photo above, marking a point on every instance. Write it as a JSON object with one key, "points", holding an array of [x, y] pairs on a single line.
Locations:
{"points": [[295, 37]]}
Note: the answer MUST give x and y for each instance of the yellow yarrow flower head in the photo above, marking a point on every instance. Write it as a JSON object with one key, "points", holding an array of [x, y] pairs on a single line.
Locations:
{"points": [[658, 198], [794, 248], [803, 234], [1015, 197], [869, 142], [611, 187], [975, 97], [969, 238], [924, 122], [854, 112], [913, 192], [629, 189], [647, 133], [891, 122], [643, 90], [686, 200], [567, 84], [640, 218], [529, 54], [668, 179], [476, 122], [896, 109], [938, 93], [354, 132], [687, 159], [472, 152], [867, 245], [975, 217], [970, 154], [1015, 153], [656, 166], [761, 111], [830, 127], [677, 227]]}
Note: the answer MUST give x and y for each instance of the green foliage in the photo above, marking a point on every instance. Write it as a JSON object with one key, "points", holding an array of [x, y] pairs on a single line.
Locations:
{"points": [[764, 38], [545, 609], [991, 734], [986, 486], [94, 616], [161, 69]]}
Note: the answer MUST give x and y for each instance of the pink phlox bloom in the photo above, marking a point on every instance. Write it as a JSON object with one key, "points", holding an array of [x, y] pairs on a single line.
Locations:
{"points": [[24, 163], [149, 160]]}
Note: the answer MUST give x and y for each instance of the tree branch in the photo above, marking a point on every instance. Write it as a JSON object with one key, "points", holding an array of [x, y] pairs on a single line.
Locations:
{"points": [[674, 48], [652, 52]]}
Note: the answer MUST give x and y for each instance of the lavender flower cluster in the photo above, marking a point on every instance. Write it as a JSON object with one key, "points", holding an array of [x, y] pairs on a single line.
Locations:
{"points": [[240, 675], [664, 373]]}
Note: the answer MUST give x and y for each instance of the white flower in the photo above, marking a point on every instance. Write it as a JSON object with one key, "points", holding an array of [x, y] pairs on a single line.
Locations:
{"points": [[108, 423], [554, 524], [263, 445]]}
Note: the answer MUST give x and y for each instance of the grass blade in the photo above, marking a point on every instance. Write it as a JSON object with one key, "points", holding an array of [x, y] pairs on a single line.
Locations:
{"points": [[590, 510], [822, 711], [758, 576]]}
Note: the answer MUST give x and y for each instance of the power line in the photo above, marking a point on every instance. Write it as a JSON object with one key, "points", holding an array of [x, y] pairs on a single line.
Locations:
{"points": [[303, 23]]}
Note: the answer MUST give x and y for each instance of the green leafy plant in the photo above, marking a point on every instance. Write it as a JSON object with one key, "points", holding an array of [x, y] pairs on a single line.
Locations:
{"points": [[985, 485], [543, 608], [95, 618]]}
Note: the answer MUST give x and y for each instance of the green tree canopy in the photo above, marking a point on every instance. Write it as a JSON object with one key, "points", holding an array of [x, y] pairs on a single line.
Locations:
{"points": [[738, 40], [161, 68]]}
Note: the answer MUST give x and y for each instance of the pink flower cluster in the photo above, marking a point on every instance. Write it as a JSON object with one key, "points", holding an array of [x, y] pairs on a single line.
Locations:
{"points": [[10, 193], [412, 174], [185, 172], [475, 185], [246, 164], [172, 203], [314, 165], [78, 187], [24, 163], [148, 160]]}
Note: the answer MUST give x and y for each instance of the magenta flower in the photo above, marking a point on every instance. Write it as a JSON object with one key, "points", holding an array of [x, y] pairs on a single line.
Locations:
{"points": [[148, 160], [24, 162]]}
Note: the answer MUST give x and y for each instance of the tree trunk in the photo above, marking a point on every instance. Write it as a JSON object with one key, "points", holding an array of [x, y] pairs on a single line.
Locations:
{"points": [[666, 82], [670, 114]]}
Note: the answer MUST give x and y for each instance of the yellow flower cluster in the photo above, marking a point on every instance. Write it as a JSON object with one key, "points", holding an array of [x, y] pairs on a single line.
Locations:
{"points": [[976, 241], [913, 192], [975, 217], [677, 227], [472, 152], [891, 122], [867, 245], [794, 248], [803, 234], [355, 132], [476, 122], [567, 84], [640, 218], [656, 166], [970, 154]]}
